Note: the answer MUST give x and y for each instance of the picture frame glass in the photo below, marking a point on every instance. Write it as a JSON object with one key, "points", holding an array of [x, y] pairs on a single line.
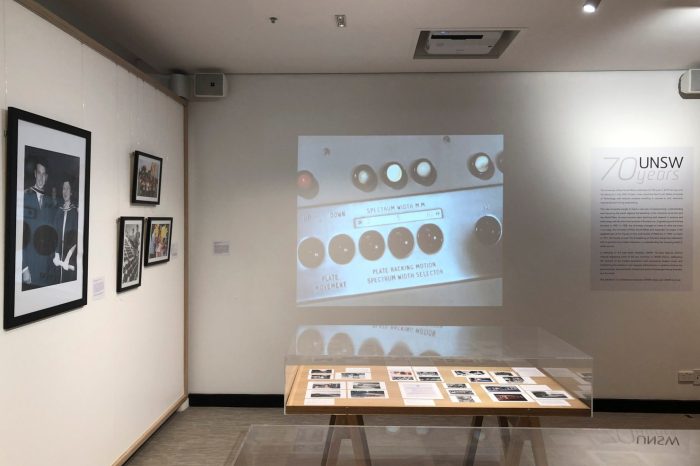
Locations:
{"points": [[47, 218], [158, 240], [148, 171], [130, 253]]}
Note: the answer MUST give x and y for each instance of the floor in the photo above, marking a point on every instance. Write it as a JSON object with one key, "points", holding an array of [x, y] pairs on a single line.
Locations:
{"points": [[213, 436]]}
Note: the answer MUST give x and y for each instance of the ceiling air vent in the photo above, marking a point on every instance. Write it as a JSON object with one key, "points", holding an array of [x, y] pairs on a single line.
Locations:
{"points": [[463, 44]]}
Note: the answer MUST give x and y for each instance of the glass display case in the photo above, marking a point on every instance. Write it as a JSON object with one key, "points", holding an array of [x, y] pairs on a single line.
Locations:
{"points": [[505, 371], [313, 445]]}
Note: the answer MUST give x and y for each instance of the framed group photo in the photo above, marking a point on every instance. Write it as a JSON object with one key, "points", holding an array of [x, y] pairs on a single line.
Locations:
{"points": [[46, 218], [146, 179], [158, 235], [130, 254]]}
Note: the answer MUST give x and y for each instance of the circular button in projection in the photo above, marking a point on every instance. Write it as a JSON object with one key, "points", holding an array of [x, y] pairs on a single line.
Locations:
{"points": [[307, 186], [400, 242], [310, 252], [430, 238], [371, 245], [364, 178], [394, 176], [488, 230], [341, 249], [423, 172], [481, 166]]}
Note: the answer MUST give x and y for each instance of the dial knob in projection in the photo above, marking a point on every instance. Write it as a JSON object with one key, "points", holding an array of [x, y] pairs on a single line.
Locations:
{"points": [[423, 172], [364, 178], [481, 166], [371, 245], [394, 175], [307, 185], [400, 242], [488, 230], [311, 252], [341, 248], [430, 238]]}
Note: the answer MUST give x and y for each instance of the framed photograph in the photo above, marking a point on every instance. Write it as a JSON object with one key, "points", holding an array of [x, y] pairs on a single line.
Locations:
{"points": [[148, 171], [130, 253], [158, 235], [46, 218]]}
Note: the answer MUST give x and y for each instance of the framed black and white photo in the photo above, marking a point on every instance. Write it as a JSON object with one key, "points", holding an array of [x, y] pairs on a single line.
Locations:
{"points": [[130, 253], [158, 235], [46, 218], [146, 179]]}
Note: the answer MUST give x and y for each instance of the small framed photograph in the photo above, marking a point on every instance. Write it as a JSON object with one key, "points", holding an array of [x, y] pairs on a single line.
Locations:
{"points": [[130, 253], [46, 218], [148, 171], [158, 235]]}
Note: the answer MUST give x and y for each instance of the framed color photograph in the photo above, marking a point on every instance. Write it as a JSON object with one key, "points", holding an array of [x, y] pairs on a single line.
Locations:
{"points": [[130, 253], [158, 235], [148, 170], [46, 218]]}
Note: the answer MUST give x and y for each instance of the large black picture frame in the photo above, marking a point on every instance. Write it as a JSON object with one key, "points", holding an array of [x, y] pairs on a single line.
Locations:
{"points": [[47, 209], [129, 260], [144, 180]]}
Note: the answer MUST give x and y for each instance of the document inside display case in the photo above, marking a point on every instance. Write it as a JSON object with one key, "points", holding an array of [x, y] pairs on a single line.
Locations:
{"points": [[458, 370]]}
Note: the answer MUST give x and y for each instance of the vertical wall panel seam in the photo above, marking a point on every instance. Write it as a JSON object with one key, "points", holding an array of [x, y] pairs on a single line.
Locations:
{"points": [[82, 85], [3, 153], [186, 249], [4, 50]]}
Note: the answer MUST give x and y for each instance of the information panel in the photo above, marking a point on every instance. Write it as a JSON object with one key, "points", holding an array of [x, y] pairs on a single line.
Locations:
{"points": [[641, 219]]}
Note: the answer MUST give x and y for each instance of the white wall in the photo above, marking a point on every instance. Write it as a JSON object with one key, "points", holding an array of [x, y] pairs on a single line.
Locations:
{"points": [[81, 387], [243, 170]]}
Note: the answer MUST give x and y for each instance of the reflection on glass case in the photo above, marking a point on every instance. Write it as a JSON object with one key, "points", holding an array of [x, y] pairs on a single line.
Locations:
{"points": [[509, 371], [308, 445]]}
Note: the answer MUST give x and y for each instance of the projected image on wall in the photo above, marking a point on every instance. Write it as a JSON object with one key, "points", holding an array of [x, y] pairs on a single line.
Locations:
{"points": [[399, 220]]}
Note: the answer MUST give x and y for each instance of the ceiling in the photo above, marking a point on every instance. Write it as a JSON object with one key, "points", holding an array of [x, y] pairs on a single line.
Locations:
{"points": [[236, 36]]}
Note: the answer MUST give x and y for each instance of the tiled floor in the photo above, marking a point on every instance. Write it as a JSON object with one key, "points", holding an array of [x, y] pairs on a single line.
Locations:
{"points": [[212, 436]]}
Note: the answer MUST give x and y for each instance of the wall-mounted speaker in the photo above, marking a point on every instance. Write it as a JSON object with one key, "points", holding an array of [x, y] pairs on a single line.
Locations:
{"points": [[179, 83], [209, 85]]}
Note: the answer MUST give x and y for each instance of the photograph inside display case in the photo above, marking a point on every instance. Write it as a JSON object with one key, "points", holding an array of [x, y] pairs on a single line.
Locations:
{"points": [[443, 387], [445, 370]]}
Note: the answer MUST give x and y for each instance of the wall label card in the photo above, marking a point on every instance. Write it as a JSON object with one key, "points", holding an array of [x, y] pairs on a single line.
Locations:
{"points": [[221, 248], [641, 219], [98, 288]]}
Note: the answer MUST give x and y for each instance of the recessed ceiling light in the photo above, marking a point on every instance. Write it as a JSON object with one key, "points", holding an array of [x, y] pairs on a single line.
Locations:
{"points": [[591, 6], [340, 21]]}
